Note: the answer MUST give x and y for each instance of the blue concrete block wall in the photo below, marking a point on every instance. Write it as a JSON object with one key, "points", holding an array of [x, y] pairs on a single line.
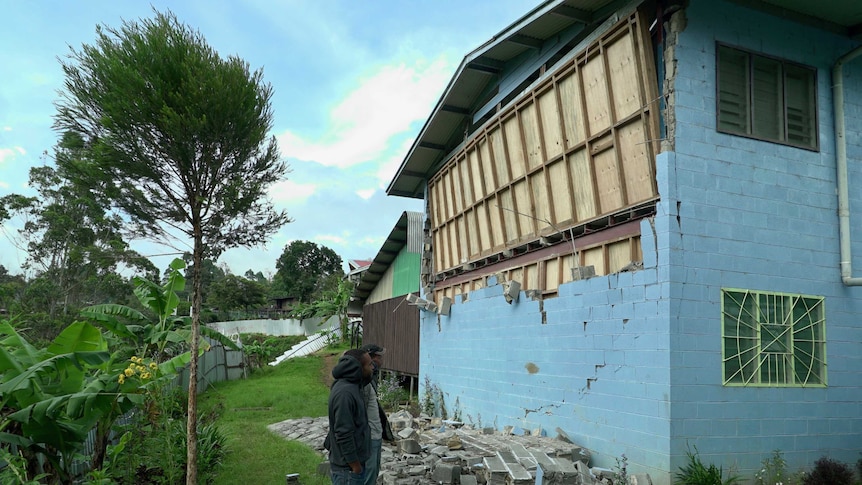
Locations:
{"points": [[761, 216], [631, 363], [598, 368]]}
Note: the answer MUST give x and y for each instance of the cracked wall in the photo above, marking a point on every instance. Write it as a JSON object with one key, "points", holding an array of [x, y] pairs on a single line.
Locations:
{"points": [[592, 361]]}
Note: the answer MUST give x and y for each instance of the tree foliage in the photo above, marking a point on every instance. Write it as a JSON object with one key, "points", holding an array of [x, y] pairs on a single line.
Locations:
{"points": [[74, 244], [305, 270], [235, 292], [332, 302], [178, 140]]}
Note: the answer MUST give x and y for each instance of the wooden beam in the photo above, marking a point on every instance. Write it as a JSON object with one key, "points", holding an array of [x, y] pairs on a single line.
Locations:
{"points": [[431, 146], [448, 108], [582, 16], [486, 64], [526, 41]]}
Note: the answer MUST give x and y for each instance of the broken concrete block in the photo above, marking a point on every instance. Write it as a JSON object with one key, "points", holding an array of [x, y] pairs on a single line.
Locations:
{"points": [[583, 272], [507, 430], [468, 480], [601, 473], [416, 470], [446, 473], [488, 430], [439, 450], [495, 470], [409, 446], [580, 453], [563, 436], [407, 434], [507, 456], [518, 475]]}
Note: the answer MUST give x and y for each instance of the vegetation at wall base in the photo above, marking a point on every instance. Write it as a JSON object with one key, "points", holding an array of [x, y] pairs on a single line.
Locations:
{"points": [[696, 473], [827, 471]]}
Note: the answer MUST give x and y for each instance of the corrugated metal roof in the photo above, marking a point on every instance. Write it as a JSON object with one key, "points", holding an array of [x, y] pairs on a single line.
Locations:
{"points": [[478, 73], [452, 118], [407, 232]]}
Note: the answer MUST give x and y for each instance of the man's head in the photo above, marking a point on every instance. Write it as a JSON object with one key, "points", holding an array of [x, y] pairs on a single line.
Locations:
{"points": [[376, 352], [364, 360]]}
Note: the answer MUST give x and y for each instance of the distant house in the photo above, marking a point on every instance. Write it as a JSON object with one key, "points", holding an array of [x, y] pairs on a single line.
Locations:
{"points": [[645, 215], [284, 304], [357, 267], [387, 318]]}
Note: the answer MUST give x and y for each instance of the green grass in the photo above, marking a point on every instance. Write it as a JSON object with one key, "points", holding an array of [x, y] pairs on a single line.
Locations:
{"points": [[293, 389]]}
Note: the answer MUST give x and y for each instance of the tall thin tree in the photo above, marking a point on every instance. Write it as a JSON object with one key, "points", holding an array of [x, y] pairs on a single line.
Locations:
{"points": [[179, 141]]}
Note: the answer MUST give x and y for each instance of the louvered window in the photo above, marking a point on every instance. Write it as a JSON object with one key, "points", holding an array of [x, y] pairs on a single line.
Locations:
{"points": [[766, 98]]}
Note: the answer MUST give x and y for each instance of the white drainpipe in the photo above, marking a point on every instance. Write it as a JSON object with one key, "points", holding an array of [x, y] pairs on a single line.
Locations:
{"points": [[841, 156]]}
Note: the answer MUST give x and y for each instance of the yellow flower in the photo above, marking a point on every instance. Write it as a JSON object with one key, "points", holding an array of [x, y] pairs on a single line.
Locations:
{"points": [[129, 372], [153, 365], [134, 358], [145, 375], [122, 379]]}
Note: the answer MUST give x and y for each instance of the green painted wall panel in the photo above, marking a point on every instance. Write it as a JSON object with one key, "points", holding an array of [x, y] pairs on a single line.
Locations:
{"points": [[405, 276]]}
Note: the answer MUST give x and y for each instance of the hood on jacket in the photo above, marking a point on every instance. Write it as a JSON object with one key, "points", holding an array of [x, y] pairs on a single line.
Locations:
{"points": [[349, 369]]}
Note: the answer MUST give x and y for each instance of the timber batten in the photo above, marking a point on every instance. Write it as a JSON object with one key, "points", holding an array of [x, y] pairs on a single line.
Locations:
{"points": [[577, 149]]}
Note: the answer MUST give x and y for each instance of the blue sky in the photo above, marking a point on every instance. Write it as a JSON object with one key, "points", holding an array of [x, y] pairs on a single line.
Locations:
{"points": [[354, 81]]}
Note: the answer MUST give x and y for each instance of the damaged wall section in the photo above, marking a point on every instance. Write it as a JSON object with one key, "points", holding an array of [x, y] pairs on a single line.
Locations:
{"points": [[504, 365]]}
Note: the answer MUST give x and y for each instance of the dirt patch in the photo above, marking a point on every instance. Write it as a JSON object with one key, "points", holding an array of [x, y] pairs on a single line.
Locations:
{"points": [[329, 361]]}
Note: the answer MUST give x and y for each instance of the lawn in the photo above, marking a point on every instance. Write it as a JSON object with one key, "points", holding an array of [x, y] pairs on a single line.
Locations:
{"points": [[293, 389]]}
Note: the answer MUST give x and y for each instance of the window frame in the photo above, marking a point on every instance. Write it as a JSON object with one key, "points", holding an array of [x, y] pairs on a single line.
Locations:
{"points": [[761, 352], [751, 55]]}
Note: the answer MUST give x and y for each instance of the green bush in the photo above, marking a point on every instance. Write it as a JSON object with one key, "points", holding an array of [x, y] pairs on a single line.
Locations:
{"points": [[696, 473], [391, 392], [829, 472], [261, 349], [157, 452]]}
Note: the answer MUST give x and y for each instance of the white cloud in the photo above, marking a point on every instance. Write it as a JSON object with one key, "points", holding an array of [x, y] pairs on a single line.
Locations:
{"points": [[7, 128], [366, 193], [290, 191], [387, 168], [4, 184], [384, 104], [8, 154], [331, 239]]}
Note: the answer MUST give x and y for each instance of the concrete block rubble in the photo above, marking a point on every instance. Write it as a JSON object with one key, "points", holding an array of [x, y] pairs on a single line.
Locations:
{"points": [[430, 451]]}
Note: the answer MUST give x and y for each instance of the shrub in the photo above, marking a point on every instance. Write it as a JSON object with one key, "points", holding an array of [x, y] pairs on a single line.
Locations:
{"points": [[390, 392], [696, 473], [829, 472]]}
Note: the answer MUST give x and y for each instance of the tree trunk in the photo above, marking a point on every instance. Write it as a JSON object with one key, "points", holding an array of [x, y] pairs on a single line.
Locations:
{"points": [[100, 446], [192, 419]]}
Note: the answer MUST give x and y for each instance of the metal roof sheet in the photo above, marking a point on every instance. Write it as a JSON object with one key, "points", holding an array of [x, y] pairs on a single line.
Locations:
{"points": [[451, 119]]}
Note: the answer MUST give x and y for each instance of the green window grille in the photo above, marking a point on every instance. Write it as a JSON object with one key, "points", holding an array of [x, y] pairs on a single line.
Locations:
{"points": [[766, 98], [773, 339]]}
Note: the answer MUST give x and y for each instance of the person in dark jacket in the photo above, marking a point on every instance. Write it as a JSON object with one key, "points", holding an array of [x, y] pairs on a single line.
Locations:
{"points": [[349, 438]]}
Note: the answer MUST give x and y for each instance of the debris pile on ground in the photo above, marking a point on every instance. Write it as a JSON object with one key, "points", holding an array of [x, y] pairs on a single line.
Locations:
{"points": [[430, 451]]}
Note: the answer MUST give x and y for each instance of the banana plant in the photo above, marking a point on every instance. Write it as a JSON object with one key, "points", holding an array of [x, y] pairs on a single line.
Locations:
{"points": [[153, 336], [51, 398], [47, 406]]}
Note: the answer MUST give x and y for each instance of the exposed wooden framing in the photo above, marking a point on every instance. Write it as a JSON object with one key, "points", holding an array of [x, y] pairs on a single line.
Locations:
{"points": [[577, 148], [590, 170]]}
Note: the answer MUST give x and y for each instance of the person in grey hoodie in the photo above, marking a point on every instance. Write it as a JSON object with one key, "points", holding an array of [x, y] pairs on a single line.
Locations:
{"points": [[349, 438], [377, 419]]}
